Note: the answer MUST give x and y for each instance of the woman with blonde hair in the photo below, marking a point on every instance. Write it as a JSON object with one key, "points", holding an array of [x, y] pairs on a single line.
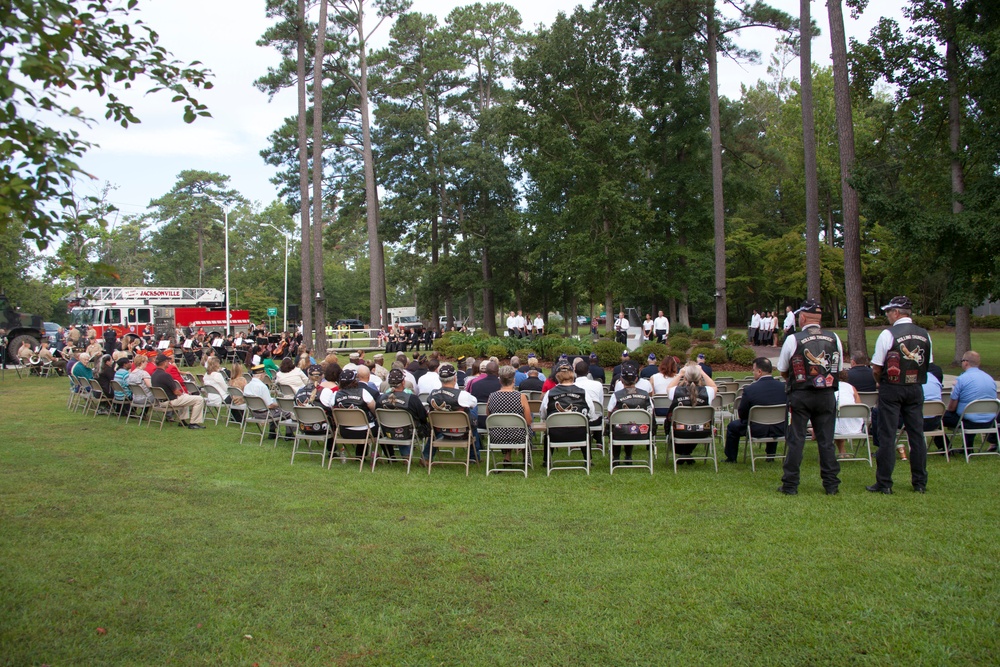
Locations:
{"points": [[690, 387], [217, 381], [237, 380]]}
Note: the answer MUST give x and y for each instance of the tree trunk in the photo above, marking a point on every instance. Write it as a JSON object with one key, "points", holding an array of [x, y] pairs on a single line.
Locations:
{"points": [[489, 308], [306, 298], [809, 148], [718, 204], [319, 317], [573, 303], [852, 220], [471, 296], [376, 272], [963, 329]]}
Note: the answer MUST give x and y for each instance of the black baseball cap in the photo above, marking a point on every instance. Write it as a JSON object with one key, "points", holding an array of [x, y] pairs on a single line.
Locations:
{"points": [[446, 371], [898, 302], [810, 306]]}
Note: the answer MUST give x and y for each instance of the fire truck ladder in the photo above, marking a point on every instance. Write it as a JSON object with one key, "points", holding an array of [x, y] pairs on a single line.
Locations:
{"points": [[158, 296]]}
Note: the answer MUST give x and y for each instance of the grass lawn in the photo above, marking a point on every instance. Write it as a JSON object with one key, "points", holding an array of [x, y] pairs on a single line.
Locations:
{"points": [[188, 548]]}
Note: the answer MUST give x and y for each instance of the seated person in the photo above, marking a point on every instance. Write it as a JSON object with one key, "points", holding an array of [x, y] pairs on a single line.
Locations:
{"points": [[190, 409], [973, 384], [690, 388], [565, 396], [508, 401], [859, 375], [398, 398], [630, 396], [764, 390], [449, 398], [847, 394], [217, 381], [352, 395]]}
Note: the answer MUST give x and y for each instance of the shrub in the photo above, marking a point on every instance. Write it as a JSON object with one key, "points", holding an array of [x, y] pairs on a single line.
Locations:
{"points": [[680, 329], [717, 356], [609, 353], [701, 349], [443, 345], [463, 350], [925, 322], [682, 356], [733, 342], [569, 349], [877, 322], [702, 335], [678, 342], [650, 347], [498, 351], [743, 356], [523, 352], [942, 320], [985, 322], [546, 344]]}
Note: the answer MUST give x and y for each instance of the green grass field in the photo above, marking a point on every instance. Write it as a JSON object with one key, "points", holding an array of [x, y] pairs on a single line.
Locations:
{"points": [[185, 548]]}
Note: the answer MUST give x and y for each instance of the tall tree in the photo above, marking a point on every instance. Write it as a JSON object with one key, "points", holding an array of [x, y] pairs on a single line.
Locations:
{"points": [[319, 318], [809, 150]]}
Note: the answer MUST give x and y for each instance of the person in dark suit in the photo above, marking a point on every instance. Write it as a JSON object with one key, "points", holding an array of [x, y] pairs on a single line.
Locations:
{"points": [[859, 375], [764, 390]]}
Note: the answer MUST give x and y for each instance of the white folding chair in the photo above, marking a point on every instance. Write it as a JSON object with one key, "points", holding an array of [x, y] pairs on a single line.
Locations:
{"points": [[207, 391], [981, 406], [635, 419], [393, 427], [764, 415], [507, 421], [937, 409], [688, 415], [232, 407], [557, 424], [307, 417], [863, 412], [869, 398]]}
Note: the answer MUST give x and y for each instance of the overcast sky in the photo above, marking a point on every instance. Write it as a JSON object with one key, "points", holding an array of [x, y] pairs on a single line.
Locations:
{"points": [[143, 161]]}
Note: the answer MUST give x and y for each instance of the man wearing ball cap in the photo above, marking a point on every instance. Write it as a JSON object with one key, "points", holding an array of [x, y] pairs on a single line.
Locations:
{"points": [[899, 364], [810, 362]]}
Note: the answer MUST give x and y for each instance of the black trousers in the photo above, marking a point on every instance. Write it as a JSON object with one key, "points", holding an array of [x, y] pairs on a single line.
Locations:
{"points": [[951, 421], [735, 432], [622, 337], [660, 335], [897, 402], [820, 407]]}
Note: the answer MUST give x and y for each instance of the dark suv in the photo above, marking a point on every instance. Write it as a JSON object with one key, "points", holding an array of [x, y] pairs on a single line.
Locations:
{"points": [[351, 324]]}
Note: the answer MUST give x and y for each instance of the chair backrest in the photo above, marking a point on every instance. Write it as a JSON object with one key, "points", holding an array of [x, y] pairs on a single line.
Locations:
{"points": [[533, 395], [736, 403], [117, 387], [350, 418], [424, 397], [212, 391], [508, 421], [934, 409], [857, 411], [630, 416], [255, 403], [661, 401], [285, 403], [443, 419], [869, 398], [310, 414], [394, 418], [566, 420], [192, 387], [767, 414], [95, 387], [693, 415], [235, 392], [728, 386], [716, 402], [159, 394], [535, 405], [981, 406], [284, 390], [247, 377], [728, 397], [724, 378]]}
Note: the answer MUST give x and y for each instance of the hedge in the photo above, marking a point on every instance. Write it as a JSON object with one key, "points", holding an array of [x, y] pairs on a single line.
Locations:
{"points": [[702, 335], [743, 356], [650, 347], [985, 321], [678, 342], [609, 352]]}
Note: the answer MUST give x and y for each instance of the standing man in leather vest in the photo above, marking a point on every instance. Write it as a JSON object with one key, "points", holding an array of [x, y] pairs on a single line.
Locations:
{"points": [[902, 353], [810, 362]]}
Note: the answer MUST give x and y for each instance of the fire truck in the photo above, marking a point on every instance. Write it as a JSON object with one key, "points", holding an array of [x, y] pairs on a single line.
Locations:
{"points": [[135, 310]]}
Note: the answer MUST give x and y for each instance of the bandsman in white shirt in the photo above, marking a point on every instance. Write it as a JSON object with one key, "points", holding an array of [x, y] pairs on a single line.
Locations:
{"points": [[521, 324], [621, 328], [539, 325], [789, 324], [512, 324], [661, 325], [754, 327]]}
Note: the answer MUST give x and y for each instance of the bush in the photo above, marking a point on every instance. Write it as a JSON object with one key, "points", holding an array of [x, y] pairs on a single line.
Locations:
{"points": [[701, 349], [985, 321], [609, 353], [702, 335], [498, 351], [680, 329], [877, 322], [650, 347], [682, 356], [743, 356], [717, 356], [443, 345], [733, 342], [925, 322], [523, 352], [678, 342], [463, 350], [942, 320], [546, 344]]}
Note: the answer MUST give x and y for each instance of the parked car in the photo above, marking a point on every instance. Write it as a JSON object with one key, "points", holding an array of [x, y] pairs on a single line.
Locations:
{"points": [[52, 332], [351, 324]]}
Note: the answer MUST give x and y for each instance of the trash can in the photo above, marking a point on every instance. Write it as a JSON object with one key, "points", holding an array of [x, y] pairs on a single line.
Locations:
{"points": [[704, 327]]}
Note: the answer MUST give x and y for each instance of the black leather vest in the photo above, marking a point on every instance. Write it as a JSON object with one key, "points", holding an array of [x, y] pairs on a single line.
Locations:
{"points": [[907, 359], [445, 399], [567, 398], [815, 362], [631, 398]]}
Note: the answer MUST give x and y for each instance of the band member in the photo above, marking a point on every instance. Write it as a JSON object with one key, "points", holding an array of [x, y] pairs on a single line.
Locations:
{"points": [[621, 329]]}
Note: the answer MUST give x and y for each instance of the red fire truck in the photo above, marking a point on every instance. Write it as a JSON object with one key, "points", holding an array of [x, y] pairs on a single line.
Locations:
{"points": [[135, 310]]}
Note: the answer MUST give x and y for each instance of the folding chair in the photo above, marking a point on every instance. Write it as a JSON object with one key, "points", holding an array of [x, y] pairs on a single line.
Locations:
{"points": [[139, 390], [351, 418], [192, 387], [306, 417], [256, 406], [723, 405], [730, 386], [161, 404], [508, 421], [533, 395], [764, 415], [638, 419], [283, 390], [983, 405], [687, 415], [869, 398], [863, 412], [450, 420], [286, 404], [74, 393], [207, 391], [556, 422], [232, 407], [97, 397], [123, 404], [936, 409], [390, 422]]}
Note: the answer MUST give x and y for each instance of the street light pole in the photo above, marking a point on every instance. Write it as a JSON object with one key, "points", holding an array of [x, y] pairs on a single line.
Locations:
{"points": [[285, 306], [225, 225]]}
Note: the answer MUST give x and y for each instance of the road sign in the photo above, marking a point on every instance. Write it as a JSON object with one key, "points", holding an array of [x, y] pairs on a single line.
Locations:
{"points": [[272, 312]]}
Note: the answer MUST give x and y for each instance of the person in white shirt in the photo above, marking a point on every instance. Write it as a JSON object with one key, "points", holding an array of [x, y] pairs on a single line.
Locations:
{"points": [[647, 327], [789, 325], [290, 375], [593, 389], [511, 324], [539, 325], [755, 328], [621, 329], [216, 380], [430, 380], [641, 383], [661, 325], [520, 324]]}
